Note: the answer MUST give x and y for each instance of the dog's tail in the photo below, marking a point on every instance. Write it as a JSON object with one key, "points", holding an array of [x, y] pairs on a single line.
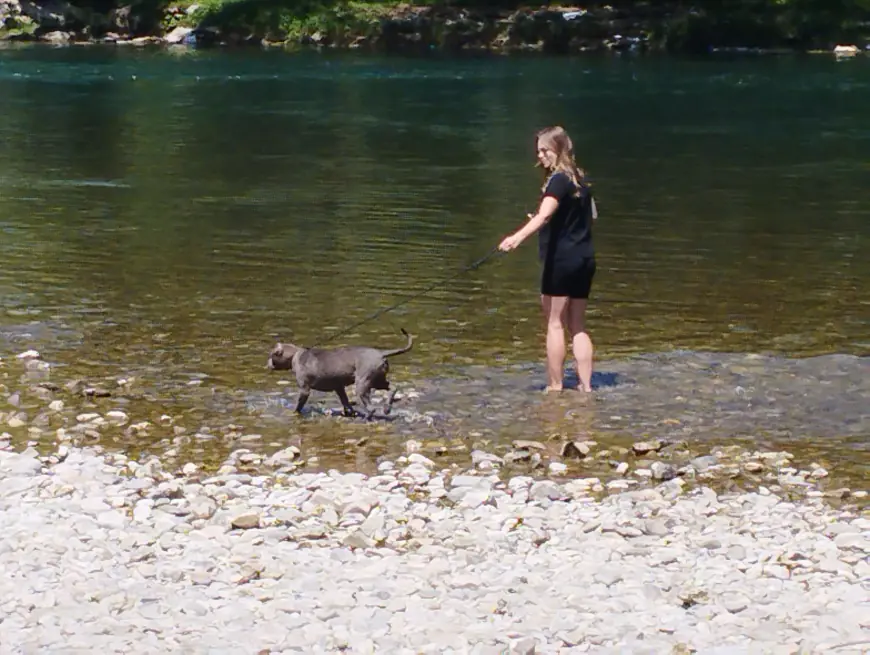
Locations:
{"points": [[399, 351]]}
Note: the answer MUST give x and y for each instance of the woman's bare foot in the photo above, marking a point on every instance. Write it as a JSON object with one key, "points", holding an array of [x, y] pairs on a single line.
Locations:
{"points": [[552, 389]]}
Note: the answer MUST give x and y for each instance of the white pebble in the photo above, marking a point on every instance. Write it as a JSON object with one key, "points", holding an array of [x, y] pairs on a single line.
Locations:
{"points": [[411, 560]]}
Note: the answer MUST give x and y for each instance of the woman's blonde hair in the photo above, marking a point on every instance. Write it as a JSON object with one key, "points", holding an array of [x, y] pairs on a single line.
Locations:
{"points": [[556, 139]]}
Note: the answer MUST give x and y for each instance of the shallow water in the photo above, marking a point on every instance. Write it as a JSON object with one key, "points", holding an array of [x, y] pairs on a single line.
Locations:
{"points": [[705, 399], [166, 217]]}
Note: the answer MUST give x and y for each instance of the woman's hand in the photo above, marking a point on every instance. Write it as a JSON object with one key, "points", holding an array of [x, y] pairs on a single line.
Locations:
{"points": [[536, 221], [511, 242]]}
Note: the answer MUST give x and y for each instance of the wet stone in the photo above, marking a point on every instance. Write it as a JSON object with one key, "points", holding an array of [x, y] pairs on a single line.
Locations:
{"points": [[645, 447], [575, 450], [704, 463], [663, 471]]}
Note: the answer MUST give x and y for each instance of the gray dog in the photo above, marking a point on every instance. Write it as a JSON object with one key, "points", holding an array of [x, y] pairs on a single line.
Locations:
{"points": [[335, 369]]}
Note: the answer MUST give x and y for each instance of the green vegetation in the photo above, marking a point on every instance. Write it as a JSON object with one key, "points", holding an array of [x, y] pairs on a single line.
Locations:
{"points": [[20, 26], [676, 25], [765, 23], [283, 20]]}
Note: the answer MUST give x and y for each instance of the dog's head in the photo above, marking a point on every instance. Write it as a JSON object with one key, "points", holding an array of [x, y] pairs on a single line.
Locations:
{"points": [[281, 357]]}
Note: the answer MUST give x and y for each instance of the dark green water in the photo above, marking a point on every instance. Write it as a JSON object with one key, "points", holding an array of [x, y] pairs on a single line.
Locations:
{"points": [[167, 216]]}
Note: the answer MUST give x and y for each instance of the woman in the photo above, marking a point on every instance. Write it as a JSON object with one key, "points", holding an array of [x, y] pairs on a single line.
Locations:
{"points": [[564, 225]]}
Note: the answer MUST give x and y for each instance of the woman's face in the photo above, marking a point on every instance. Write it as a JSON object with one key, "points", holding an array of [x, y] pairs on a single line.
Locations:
{"points": [[546, 156]]}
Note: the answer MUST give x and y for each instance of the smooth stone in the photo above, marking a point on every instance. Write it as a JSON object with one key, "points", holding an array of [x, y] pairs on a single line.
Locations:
{"points": [[852, 541], [607, 577], [736, 552], [663, 471], [246, 521], [704, 463], [470, 481], [19, 465], [735, 602], [546, 490], [644, 447], [656, 527]]}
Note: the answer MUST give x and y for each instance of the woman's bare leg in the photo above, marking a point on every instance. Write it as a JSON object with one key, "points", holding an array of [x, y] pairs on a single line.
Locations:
{"points": [[554, 313], [581, 343]]}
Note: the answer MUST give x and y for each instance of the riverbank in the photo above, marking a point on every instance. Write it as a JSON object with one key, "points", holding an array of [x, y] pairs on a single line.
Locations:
{"points": [[107, 553], [670, 548], [634, 431], [390, 26]]}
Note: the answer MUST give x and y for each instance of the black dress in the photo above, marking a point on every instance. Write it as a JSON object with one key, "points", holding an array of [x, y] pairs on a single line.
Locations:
{"points": [[565, 241]]}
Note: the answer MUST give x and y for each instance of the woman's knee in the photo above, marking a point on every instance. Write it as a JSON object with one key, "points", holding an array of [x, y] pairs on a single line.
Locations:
{"points": [[576, 316], [554, 305]]}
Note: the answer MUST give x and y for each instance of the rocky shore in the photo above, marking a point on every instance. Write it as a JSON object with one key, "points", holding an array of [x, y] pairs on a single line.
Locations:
{"points": [[102, 552], [422, 28], [43, 410], [519, 549], [671, 550]]}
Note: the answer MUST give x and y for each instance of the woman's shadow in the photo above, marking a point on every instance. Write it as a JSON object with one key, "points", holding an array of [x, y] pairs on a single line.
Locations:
{"points": [[600, 380]]}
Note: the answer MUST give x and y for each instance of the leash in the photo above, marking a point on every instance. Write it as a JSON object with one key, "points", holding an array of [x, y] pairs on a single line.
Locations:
{"points": [[467, 269]]}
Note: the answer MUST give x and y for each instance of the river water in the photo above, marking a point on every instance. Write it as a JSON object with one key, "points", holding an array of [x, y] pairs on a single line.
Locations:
{"points": [[167, 216]]}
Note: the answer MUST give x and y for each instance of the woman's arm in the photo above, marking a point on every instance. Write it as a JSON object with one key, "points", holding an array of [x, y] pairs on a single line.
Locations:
{"points": [[548, 207]]}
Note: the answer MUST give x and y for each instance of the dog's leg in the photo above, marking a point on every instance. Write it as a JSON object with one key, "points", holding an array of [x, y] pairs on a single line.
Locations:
{"points": [[345, 401], [380, 382], [388, 406], [304, 392], [363, 391]]}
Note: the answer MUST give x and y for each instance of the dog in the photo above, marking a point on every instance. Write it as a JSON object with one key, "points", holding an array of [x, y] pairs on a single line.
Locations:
{"points": [[335, 369]]}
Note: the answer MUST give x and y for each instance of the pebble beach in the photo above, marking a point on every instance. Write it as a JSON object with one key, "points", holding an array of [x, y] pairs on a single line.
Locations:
{"points": [[102, 553]]}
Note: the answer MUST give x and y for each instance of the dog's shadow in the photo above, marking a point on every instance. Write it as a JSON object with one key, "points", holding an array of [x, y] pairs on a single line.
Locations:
{"points": [[357, 416], [326, 411]]}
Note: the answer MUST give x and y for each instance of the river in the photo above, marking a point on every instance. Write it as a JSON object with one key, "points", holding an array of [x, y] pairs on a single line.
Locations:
{"points": [[167, 216]]}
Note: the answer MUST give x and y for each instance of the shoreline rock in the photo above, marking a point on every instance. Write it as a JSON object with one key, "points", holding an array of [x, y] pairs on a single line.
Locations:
{"points": [[426, 28], [114, 554], [46, 414]]}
